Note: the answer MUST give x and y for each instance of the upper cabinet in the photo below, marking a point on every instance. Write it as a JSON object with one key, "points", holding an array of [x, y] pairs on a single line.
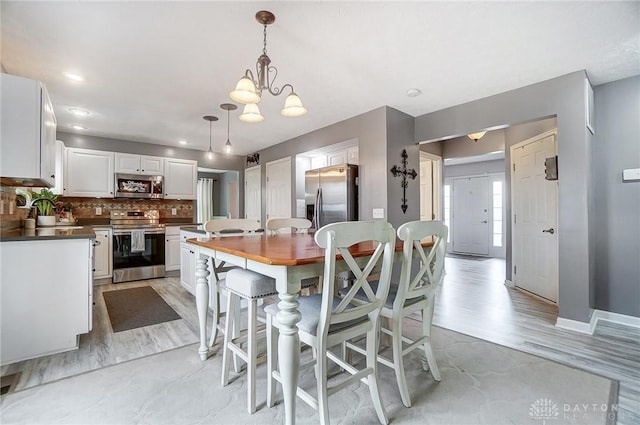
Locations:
{"points": [[180, 177], [88, 173], [139, 164], [28, 133], [58, 188]]}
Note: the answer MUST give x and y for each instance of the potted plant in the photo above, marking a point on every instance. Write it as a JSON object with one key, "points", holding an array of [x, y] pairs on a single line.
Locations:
{"points": [[45, 202]]}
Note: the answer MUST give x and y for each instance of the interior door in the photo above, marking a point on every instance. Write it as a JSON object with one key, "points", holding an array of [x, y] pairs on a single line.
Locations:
{"points": [[471, 215], [535, 230], [278, 188], [252, 193], [430, 183]]}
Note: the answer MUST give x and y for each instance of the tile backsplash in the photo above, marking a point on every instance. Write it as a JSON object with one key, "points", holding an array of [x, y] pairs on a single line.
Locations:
{"points": [[8, 210], [86, 207]]}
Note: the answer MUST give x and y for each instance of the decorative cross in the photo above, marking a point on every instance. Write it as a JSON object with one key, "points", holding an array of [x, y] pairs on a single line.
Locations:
{"points": [[404, 172]]}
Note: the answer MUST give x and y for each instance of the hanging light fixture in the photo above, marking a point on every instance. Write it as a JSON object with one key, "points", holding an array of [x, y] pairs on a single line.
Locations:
{"points": [[249, 90], [476, 136], [211, 119], [228, 107]]}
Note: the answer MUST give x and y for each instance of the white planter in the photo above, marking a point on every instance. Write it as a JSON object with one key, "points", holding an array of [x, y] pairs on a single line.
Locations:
{"points": [[46, 220]]}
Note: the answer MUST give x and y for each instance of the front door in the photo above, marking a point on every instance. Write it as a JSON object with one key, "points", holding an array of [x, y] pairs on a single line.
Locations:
{"points": [[471, 215], [535, 230]]}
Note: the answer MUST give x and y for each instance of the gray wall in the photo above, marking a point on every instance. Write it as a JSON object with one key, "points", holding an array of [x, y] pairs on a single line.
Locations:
{"points": [[474, 168], [563, 97], [370, 130], [616, 206]]}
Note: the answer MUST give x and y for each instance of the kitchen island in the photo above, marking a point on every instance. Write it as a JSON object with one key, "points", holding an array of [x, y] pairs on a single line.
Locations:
{"points": [[46, 290]]}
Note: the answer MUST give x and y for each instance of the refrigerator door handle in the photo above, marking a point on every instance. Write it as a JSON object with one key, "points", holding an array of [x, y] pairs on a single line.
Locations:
{"points": [[318, 208]]}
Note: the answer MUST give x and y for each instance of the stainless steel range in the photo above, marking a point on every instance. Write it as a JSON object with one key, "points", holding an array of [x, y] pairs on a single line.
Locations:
{"points": [[138, 245]]}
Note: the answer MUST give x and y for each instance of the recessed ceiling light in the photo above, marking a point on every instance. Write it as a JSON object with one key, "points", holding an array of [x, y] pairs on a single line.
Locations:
{"points": [[183, 142], [74, 77], [79, 112], [78, 127], [413, 92]]}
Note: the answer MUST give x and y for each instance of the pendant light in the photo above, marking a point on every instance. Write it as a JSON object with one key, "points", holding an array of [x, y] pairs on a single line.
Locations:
{"points": [[211, 119], [228, 107]]}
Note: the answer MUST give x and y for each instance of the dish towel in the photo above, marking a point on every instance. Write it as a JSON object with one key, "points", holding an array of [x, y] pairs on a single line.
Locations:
{"points": [[137, 240]]}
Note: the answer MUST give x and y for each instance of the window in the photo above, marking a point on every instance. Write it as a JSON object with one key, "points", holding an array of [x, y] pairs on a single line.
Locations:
{"points": [[447, 209], [497, 213]]}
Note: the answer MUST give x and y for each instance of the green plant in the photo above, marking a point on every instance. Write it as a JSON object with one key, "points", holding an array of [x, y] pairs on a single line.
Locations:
{"points": [[44, 201]]}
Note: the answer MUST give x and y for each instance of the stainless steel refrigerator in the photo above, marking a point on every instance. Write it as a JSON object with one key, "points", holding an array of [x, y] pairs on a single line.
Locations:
{"points": [[331, 194]]}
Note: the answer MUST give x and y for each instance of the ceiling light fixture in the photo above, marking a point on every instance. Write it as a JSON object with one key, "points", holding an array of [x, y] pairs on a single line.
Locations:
{"points": [[74, 77], [413, 92], [249, 90], [182, 142], [79, 112], [476, 136], [78, 127], [211, 119], [228, 107]]}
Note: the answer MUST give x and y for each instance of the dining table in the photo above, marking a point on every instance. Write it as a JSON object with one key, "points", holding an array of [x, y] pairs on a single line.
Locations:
{"points": [[288, 258]]}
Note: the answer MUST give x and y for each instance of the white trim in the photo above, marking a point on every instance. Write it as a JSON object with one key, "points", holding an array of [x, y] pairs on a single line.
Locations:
{"points": [[535, 139], [618, 318], [574, 325], [509, 283]]}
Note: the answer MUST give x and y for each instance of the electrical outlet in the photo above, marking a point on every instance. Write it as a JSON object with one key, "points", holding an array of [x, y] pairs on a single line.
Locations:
{"points": [[98, 210], [378, 213], [174, 211]]}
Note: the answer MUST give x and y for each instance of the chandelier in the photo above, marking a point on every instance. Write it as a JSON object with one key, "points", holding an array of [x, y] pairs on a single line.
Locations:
{"points": [[249, 90]]}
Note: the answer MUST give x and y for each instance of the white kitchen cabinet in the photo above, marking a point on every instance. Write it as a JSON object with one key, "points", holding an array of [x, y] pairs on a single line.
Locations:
{"points": [[28, 133], [139, 164], [318, 162], [47, 296], [180, 177], [58, 188], [172, 248], [188, 267], [338, 157], [88, 173], [103, 253], [353, 155]]}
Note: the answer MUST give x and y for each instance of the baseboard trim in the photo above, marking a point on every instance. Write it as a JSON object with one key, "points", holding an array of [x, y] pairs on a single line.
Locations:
{"points": [[609, 316], [574, 325], [509, 283]]}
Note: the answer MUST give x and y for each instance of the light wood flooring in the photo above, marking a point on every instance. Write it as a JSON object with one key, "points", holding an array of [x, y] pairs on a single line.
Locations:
{"points": [[472, 300]]}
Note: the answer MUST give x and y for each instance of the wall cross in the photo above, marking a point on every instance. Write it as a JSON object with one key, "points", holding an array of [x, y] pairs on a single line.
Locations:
{"points": [[404, 172]]}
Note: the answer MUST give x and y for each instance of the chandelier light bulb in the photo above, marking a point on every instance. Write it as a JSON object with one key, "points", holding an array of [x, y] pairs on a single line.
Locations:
{"points": [[293, 106], [245, 92], [251, 113]]}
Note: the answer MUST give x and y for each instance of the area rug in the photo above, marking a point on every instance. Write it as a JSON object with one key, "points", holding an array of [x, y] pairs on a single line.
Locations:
{"points": [[137, 307], [482, 383]]}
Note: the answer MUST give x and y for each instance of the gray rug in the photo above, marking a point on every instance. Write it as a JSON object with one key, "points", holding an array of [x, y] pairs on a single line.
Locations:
{"points": [[137, 307], [482, 383]]}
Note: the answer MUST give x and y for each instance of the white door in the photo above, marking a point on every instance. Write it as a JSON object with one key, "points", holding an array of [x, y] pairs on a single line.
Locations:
{"points": [[535, 230], [471, 215], [430, 182], [278, 188], [252, 193]]}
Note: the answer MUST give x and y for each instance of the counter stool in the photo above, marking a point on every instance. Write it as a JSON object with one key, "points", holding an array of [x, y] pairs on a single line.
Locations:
{"points": [[252, 286]]}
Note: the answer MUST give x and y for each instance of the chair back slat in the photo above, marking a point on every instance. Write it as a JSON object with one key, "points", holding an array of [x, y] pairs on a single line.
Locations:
{"points": [[336, 238], [295, 225], [421, 282], [231, 226]]}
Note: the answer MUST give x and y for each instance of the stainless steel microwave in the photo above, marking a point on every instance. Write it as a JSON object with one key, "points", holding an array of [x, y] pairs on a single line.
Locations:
{"points": [[138, 186]]}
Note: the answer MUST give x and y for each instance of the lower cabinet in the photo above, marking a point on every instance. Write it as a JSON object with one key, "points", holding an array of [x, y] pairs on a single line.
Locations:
{"points": [[47, 296], [188, 267], [103, 267], [172, 248]]}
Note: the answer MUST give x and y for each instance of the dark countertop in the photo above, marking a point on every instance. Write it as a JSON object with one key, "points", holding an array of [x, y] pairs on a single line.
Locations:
{"points": [[195, 228], [47, 233]]}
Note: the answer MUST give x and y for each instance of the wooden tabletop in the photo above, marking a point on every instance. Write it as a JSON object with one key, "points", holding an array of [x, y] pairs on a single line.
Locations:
{"points": [[283, 249]]}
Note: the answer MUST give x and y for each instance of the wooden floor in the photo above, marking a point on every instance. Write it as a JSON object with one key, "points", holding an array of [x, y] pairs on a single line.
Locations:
{"points": [[472, 300]]}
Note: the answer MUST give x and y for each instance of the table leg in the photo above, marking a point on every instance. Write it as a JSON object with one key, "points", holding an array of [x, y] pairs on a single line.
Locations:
{"points": [[202, 301], [289, 352]]}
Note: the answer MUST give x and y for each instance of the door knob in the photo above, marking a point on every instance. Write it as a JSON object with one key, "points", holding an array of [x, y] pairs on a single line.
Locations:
{"points": [[550, 230], [484, 221]]}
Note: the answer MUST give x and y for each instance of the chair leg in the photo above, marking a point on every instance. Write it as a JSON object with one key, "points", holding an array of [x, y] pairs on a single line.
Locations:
{"points": [[321, 379], [215, 302], [226, 352], [272, 359], [236, 320], [252, 350], [398, 361], [427, 316], [372, 362]]}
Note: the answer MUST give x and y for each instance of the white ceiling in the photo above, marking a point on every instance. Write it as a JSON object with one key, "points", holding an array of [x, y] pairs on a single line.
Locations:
{"points": [[153, 69]]}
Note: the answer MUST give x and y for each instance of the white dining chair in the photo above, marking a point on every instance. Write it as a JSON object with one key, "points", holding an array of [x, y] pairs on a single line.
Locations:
{"points": [[327, 321], [294, 225], [421, 272]]}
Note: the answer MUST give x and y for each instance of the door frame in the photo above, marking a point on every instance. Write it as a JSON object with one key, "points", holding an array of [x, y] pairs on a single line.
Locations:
{"points": [[512, 148], [436, 184]]}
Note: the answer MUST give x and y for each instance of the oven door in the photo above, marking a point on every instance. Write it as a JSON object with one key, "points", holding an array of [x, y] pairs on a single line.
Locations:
{"points": [[140, 262]]}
